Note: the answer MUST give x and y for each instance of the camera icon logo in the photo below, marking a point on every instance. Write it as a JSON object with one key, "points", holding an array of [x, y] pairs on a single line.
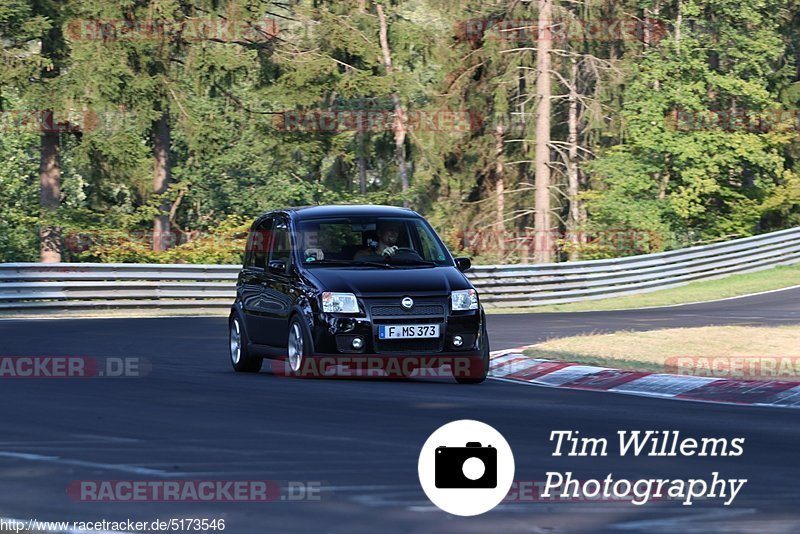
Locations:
{"points": [[466, 467], [472, 466]]}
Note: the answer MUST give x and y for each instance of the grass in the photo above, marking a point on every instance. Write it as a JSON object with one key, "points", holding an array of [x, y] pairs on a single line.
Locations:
{"points": [[731, 286], [758, 353]]}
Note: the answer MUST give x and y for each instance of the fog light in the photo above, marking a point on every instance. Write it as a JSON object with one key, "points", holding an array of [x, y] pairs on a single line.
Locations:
{"points": [[358, 343], [457, 341]]}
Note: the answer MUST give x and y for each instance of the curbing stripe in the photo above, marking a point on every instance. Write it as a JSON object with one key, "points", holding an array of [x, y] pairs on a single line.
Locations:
{"points": [[790, 397], [541, 368], [606, 380], [514, 366], [739, 392], [665, 385], [566, 375], [506, 360]]}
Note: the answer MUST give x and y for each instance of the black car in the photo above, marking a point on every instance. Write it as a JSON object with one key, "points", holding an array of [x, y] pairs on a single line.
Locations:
{"points": [[368, 287]]}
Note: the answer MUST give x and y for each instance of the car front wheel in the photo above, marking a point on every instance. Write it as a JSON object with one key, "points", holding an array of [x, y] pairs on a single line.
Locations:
{"points": [[297, 348]]}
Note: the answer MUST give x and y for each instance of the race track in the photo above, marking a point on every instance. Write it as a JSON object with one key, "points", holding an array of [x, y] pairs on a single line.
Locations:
{"points": [[193, 418]]}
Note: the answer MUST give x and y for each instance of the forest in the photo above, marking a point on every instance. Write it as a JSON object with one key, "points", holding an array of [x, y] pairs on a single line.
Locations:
{"points": [[525, 131]]}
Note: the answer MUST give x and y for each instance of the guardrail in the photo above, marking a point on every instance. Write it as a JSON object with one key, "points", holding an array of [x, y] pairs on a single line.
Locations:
{"points": [[64, 286]]}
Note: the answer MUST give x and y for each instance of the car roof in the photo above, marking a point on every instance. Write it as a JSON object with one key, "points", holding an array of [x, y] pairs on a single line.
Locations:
{"points": [[344, 210]]}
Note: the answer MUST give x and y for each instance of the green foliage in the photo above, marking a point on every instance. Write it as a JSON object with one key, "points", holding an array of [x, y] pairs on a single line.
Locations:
{"points": [[224, 244], [19, 195], [658, 159], [682, 170]]}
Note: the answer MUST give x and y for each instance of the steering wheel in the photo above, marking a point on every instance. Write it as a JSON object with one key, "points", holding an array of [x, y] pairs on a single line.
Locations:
{"points": [[406, 250]]}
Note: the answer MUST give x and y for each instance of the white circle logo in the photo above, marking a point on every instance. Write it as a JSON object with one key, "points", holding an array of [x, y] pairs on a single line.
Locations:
{"points": [[407, 303], [466, 467]]}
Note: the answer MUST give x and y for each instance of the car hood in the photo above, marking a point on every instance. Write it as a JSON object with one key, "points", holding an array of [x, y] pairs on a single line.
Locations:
{"points": [[389, 282]]}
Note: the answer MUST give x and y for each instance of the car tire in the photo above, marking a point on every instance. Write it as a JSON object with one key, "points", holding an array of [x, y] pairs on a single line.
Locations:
{"points": [[297, 349], [481, 374], [241, 359]]}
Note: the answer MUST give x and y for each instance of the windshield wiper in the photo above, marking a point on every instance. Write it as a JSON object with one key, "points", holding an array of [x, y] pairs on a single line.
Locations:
{"points": [[349, 263], [374, 264], [416, 262]]}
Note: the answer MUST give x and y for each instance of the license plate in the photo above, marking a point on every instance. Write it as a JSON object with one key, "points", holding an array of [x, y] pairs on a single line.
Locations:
{"points": [[408, 331]]}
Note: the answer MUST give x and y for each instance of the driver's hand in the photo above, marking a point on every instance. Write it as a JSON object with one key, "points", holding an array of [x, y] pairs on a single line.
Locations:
{"points": [[390, 251]]}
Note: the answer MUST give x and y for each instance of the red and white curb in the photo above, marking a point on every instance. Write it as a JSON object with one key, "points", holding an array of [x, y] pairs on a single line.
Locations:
{"points": [[514, 365]]}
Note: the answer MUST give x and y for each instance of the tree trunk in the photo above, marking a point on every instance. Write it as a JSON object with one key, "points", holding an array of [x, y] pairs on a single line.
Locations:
{"points": [[657, 13], [663, 181], [543, 252], [500, 186], [573, 179], [49, 197], [400, 116], [362, 164], [162, 141]]}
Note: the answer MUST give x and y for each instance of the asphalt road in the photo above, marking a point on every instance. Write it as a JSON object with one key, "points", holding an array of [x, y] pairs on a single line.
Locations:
{"points": [[191, 417]]}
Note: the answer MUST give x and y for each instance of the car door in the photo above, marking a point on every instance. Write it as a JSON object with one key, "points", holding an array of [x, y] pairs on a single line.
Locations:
{"points": [[252, 282], [277, 289]]}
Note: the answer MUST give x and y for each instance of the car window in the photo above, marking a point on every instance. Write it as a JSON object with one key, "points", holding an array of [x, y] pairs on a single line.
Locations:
{"points": [[281, 250], [350, 240], [258, 245], [430, 250]]}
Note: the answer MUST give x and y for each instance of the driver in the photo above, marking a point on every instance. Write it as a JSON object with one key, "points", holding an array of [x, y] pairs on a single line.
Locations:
{"points": [[388, 234]]}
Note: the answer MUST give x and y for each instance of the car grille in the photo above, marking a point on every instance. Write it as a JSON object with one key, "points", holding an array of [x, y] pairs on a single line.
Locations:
{"points": [[398, 311], [426, 310]]}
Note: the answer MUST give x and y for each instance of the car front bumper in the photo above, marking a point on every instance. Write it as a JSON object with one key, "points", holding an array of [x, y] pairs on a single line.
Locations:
{"points": [[332, 336]]}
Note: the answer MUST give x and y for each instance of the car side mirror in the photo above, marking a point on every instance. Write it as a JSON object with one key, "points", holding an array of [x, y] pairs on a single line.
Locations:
{"points": [[277, 266], [463, 264]]}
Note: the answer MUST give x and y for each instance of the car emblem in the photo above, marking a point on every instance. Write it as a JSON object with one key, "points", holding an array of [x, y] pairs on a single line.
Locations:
{"points": [[407, 303]]}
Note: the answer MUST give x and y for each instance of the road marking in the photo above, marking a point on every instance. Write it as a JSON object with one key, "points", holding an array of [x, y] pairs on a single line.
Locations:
{"points": [[42, 523], [686, 303], [136, 470], [712, 522]]}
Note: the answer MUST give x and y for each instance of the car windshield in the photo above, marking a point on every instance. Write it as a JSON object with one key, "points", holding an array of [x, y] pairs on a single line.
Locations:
{"points": [[370, 241]]}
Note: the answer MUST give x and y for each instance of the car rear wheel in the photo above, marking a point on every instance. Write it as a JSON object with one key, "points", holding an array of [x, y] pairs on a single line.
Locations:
{"points": [[241, 359]]}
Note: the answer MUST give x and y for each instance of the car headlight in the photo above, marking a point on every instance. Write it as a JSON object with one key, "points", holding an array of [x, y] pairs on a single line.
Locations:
{"points": [[339, 303], [464, 300]]}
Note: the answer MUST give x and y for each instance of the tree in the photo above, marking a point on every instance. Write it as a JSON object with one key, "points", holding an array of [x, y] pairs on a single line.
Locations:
{"points": [[37, 74], [544, 239], [702, 157], [400, 114]]}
